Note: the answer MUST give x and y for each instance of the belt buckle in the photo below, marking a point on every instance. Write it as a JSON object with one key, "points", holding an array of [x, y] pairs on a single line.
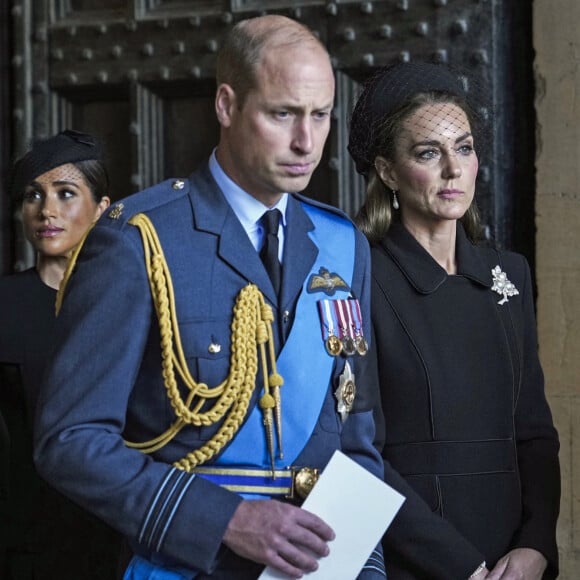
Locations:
{"points": [[303, 480]]}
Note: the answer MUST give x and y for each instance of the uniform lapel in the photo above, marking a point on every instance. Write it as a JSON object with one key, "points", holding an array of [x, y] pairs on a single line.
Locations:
{"points": [[236, 249], [214, 215], [299, 252]]}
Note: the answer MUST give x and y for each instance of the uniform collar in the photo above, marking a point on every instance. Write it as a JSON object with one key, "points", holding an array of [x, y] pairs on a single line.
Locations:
{"points": [[246, 207], [422, 271]]}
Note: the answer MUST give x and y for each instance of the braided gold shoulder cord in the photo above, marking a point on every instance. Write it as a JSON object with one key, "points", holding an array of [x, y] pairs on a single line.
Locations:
{"points": [[251, 328]]}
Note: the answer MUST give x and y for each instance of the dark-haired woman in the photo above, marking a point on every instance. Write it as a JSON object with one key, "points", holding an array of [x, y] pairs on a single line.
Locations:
{"points": [[61, 188], [465, 429]]}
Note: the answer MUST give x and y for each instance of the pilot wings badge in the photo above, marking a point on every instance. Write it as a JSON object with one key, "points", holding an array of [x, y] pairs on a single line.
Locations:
{"points": [[327, 282]]}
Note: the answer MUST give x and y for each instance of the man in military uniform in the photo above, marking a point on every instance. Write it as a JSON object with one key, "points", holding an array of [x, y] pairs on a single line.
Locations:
{"points": [[205, 342]]}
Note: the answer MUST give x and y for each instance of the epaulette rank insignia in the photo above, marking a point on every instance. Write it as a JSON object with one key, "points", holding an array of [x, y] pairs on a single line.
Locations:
{"points": [[116, 211], [178, 184]]}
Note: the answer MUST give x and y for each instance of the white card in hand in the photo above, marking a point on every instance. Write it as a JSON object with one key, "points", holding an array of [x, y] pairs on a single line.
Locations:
{"points": [[359, 507]]}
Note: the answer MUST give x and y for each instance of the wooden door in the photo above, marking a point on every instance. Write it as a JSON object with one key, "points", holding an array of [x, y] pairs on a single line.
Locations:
{"points": [[140, 75]]}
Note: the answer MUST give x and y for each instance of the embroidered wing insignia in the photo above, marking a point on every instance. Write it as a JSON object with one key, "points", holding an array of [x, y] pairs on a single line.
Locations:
{"points": [[327, 282]]}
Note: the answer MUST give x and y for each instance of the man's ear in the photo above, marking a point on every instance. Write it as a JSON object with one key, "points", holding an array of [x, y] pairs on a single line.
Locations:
{"points": [[386, 172], [225, 103]]}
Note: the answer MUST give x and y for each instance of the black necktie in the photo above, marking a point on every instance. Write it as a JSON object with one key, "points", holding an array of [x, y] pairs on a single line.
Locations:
{"points": [[269, 253]]}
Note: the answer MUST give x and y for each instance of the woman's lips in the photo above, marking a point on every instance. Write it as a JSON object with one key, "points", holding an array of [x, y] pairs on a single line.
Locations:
{"points": [[450, 193], [48, 232]]}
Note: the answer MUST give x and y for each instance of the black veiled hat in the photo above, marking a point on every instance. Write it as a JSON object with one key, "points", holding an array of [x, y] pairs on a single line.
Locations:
{"points": [[386, 92], [68, 146]]}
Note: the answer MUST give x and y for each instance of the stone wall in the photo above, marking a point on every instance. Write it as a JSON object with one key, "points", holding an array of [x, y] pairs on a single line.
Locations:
{"points": [[557, 72]]}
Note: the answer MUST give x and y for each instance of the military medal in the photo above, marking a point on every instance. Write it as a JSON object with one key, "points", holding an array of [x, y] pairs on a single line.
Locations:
{"points": [[341, 325], [361, 345], [333, 345], [332, 342], [346, 327], [360, 341], [346, 392], [348, 346]]}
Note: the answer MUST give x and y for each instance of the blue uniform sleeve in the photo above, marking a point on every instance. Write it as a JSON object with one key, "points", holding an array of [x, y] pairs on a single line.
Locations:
{"points": [[100, 336]]}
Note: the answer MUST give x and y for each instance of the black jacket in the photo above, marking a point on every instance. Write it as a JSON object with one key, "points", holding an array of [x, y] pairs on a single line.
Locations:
{"points": [[465, 429]]}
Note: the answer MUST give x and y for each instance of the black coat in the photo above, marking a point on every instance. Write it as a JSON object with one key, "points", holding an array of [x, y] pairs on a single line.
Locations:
{"points": [[465, 429], [43, 535]]}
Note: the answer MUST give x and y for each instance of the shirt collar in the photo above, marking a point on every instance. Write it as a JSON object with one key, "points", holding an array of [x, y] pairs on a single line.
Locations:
{"points": [[246, 207]]}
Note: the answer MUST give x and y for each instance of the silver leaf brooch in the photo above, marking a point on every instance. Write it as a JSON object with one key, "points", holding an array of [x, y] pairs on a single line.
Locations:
{"points": [[502, 285]]}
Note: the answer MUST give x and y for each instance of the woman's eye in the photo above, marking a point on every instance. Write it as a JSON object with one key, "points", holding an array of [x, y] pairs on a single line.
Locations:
{"points": [[466, 149], [31, 195], [428, 154]]}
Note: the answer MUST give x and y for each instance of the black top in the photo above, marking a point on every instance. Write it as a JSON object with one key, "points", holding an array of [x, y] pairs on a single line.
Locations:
{"points": [[465, 431], [4, 459], [43, 534]]}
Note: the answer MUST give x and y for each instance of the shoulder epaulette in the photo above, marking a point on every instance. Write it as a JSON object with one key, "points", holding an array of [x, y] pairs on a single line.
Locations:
{"points": [[120, 212]]}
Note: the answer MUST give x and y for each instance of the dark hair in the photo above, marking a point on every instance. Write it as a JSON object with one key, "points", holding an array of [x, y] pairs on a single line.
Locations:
{"points": [[82, 150], [96, 176]]}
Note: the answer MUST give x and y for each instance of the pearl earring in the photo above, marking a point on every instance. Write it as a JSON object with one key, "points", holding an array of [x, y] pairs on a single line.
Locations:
{"points": [[395, 200]]}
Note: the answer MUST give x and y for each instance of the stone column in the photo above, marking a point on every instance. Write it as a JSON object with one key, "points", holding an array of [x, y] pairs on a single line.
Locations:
{"points": [[557, 72]]}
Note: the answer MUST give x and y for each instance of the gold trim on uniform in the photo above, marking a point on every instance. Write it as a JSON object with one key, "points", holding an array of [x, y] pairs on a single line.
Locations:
{"points": [[242, 471], [116, 211], [300, 480], [304, 480]]}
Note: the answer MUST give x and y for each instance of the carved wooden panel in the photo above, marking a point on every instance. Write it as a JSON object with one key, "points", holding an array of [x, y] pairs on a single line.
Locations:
{"points": [[140, 75]]}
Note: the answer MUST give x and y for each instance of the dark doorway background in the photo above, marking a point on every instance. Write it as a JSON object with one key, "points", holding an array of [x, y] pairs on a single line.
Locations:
{"points": [[139, 74]]}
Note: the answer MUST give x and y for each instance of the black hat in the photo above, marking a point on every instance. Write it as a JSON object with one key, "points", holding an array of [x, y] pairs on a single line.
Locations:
{"points": [[68, 146], [386, 92]]}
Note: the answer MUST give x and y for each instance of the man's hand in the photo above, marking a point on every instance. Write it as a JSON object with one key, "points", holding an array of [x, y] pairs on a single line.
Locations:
{"points": [[519, 564], [279, 535]]}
